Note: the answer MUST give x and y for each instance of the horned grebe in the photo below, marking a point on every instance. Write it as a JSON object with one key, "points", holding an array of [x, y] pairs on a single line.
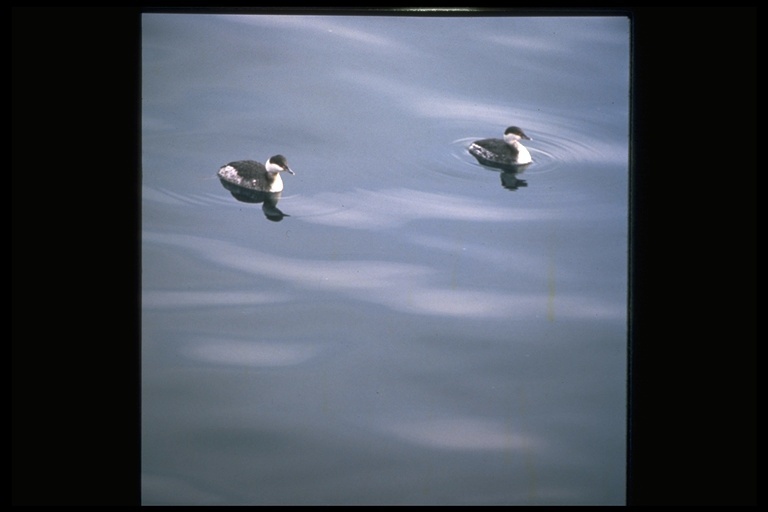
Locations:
{"points": [[255, 176], [505, 154]]}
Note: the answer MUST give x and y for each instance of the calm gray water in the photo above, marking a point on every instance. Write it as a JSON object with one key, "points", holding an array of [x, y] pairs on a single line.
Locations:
{"points": [[418, 329]]}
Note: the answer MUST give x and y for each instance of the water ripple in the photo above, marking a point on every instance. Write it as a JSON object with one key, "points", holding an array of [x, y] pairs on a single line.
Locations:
{"points": [[249, 353], [155, 299], [176, 198], [402, 287], [561, 145], [462, 434], [369, 209]]}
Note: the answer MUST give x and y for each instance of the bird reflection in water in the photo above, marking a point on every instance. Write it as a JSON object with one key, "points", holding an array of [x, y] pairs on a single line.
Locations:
{"points": [[510, 176], [268, 200], [510, 181]]}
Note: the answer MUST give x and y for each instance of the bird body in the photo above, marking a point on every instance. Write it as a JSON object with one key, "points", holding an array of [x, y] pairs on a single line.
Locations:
{"points": [[255, 176], [506, 153]]}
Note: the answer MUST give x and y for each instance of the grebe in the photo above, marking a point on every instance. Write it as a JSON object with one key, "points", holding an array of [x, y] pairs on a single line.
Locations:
{"points": [[255, 176], [505, 154]]}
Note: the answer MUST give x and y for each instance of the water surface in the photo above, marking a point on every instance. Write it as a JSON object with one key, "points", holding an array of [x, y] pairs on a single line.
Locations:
{"points": [[419, 329]]}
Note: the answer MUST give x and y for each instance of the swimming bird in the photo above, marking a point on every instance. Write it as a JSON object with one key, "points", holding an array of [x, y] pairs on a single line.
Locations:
{"points": [[255, 176], [505, 153]]}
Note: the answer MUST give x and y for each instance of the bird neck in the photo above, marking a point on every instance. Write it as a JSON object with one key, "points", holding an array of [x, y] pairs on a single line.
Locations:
{"points": [[523, 156], [275, 182]]}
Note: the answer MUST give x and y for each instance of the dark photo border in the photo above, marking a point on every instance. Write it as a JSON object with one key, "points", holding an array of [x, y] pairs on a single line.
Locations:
{"points": [[76, 258]]}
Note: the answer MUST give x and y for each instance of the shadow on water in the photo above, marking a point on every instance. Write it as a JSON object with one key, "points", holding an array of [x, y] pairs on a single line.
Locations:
{"points": [[268, 200]]}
